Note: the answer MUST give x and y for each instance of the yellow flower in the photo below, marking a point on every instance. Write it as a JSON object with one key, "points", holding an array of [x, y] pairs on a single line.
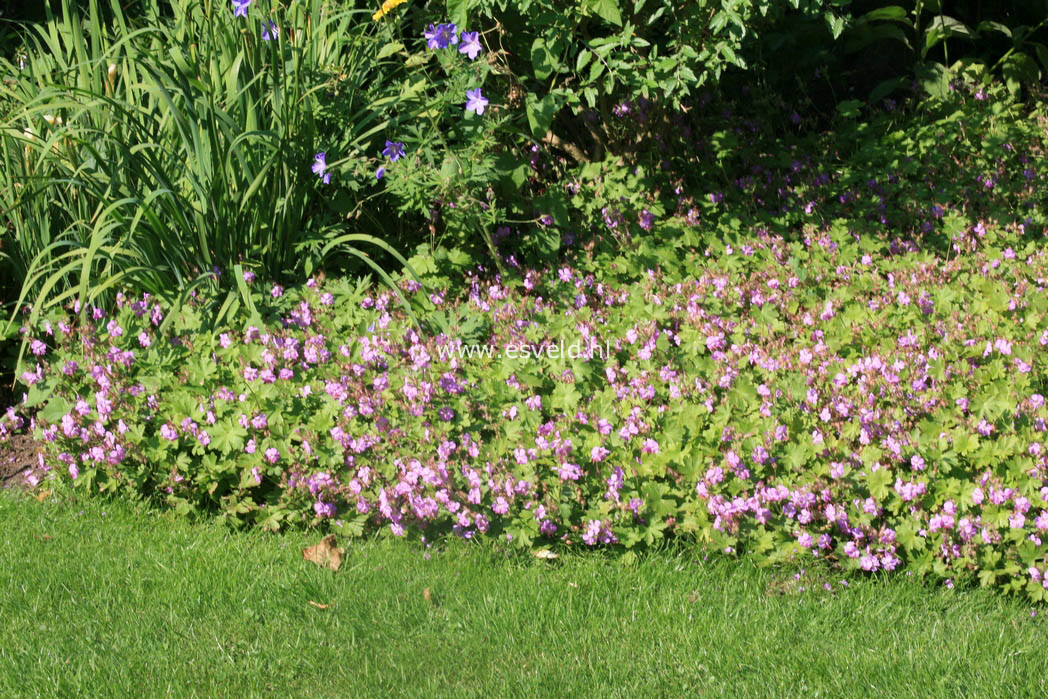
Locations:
{"points": [[386, 7]]}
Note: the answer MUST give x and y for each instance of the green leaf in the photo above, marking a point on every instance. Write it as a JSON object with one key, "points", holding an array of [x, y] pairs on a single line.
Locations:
{"points": [[850, 109], [458, 11], [934, 78], [944, 27], [543, 61], [228, 437], [890, 13], [879, 483], [1042, 52], [37, 394], [540, 113], [57, 407], [389, 49], [583, 60], [608, 10], [989, 26], [1017, 69], [835, 24]]}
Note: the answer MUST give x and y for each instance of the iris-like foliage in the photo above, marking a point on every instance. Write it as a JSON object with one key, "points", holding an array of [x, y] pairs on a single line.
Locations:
{"points": [[162, 150]]}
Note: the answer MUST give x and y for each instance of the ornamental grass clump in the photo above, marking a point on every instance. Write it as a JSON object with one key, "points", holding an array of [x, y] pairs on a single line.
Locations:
{"points": [[156, 150]]}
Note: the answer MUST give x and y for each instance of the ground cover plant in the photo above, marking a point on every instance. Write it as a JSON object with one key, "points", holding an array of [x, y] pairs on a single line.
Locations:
{"points": [[803, 389], [99, 596]]}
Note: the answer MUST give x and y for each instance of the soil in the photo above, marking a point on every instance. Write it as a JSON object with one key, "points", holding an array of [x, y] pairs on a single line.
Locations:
{"points": [[19, 452], [16, 455]]}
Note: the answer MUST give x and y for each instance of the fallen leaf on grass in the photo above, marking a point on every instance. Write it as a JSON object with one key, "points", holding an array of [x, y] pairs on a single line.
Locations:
{"points": [[545, 554], [693, 596], [326, 553], [318, 605], [427, 596], [43, 495]]}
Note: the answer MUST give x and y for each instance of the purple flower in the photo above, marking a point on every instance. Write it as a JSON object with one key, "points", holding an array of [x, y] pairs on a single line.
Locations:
{"points": [[240, 7], [380, 173], [441, 36], [394, 150], [320, 165], [269, 30], [272, 455], [431, 37], [470, 44], [475, 101]]}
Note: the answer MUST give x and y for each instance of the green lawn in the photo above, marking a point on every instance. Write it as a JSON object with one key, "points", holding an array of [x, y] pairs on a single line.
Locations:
{"points": [[100, 600]]}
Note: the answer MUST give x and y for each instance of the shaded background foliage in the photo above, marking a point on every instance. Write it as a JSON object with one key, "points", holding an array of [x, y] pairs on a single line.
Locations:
{"points": [[592, 102]]}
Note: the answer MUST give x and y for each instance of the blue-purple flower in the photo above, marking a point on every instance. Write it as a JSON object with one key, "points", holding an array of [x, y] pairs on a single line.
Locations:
{"points": [[394, 150], [380, 173], [269, 30], [470, 44], [240, 7], [441, 36], [320, 165], [475, 101]]}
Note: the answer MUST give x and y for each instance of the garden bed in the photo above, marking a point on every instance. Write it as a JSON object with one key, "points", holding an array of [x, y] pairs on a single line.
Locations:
{"points": [[833, 398]]}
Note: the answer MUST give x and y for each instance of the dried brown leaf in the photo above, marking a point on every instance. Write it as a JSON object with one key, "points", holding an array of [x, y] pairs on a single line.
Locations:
{"points": [[325, 554], [318, 605]]}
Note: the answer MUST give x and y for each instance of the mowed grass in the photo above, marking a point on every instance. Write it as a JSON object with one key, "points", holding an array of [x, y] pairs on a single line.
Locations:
{"points": [[98, 599]]}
